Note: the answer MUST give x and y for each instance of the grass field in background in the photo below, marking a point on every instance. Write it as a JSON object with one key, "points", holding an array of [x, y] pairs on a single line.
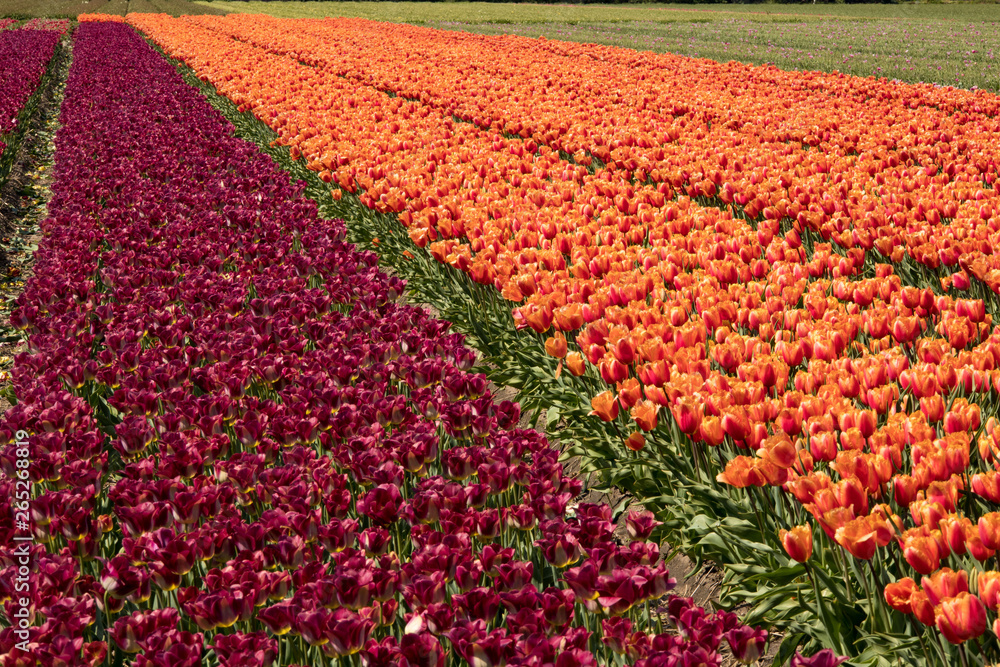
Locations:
{"points": [[947, 44], [525, 13]]}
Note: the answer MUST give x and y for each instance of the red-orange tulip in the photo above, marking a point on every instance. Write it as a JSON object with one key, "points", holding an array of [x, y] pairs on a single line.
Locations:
{"points": [[922, 608], [933, 407], [688, 415], [798, 542], [989, 530], [735, 424], [898, 594], [905, 329], [989, 588], [629, 393], [636, 441], [945, 583], [961, 618], [953, 528], [823, 446], [858, 537], [922, 553], [974, 545], [612, 370]]}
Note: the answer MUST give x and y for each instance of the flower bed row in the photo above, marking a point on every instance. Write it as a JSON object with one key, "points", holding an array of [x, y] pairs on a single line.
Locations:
{"points": [[61, 26], [98, 17], [835, 380], [24, 57], [883, 140], [240, 443]]}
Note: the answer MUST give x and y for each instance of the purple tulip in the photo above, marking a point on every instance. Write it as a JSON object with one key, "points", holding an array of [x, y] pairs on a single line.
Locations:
{"points": [[825, 658], [747, 643]]}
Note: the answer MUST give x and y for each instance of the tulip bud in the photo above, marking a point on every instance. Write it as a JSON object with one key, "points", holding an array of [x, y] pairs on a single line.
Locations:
{"points": [[635, 441]]}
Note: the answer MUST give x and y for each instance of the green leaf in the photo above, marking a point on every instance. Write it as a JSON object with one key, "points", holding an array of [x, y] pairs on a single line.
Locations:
{"points": [[787, 648]]}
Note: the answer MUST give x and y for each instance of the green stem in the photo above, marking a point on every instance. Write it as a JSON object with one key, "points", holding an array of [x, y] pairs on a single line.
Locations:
{"points": [[871, 602], [823, 612]]}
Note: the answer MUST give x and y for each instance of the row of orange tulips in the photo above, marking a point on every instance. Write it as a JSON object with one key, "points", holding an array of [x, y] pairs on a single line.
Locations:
{"points": [[887, 155], [812, 366]]}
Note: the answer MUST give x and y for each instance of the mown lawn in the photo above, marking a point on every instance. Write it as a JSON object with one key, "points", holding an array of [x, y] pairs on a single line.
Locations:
{"points": [[946, 44]]}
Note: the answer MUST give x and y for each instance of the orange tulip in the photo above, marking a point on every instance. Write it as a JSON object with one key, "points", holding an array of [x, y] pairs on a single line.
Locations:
{"points": [[858, 537], [576, 364], [741, 473], [933, 407], [711, 431], [644, 414], [568, 317], [779, 451], [605, 406], [832, 520], [798, 542], [539, 319], [852, 438], [555, 345]]}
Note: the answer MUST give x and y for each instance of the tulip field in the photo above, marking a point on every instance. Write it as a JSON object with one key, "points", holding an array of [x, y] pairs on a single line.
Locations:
{"points": [[758, 302], [244, 452]]}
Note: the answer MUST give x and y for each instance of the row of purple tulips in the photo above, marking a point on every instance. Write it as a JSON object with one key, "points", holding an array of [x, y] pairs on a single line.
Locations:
{"points": [[24, 56]]}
